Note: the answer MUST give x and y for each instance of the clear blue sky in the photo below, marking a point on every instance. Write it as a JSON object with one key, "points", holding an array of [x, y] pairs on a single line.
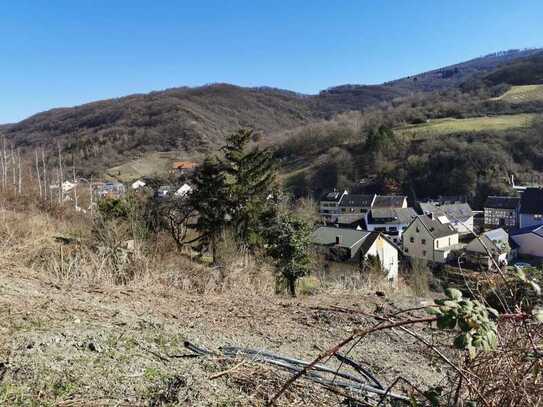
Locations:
{"points": [[66, 52]]}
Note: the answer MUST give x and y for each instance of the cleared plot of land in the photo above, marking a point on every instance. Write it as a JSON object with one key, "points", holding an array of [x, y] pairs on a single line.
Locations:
{"points": [[474, 124], [150, 164], [520, 94]]}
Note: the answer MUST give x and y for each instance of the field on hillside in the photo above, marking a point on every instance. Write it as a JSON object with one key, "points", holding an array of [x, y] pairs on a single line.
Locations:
{"points": [[149, 165], [474, 124], [524, 93]]}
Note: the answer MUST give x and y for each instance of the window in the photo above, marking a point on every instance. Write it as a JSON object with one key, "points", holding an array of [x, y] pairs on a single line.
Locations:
{"points": [[417, 229], [437, 244], [424, 253], [412, 239], [406, 250], [423, 241]]}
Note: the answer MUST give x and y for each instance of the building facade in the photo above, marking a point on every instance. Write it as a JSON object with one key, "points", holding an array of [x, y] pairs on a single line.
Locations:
{"points": [[429, 239], [501, 211]]}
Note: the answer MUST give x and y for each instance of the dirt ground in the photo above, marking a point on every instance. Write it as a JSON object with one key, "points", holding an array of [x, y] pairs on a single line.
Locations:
{"points": [[75, 346]]}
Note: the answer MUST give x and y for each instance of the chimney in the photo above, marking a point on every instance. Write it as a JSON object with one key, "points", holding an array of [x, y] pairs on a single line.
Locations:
{"points": [[338, 240]]}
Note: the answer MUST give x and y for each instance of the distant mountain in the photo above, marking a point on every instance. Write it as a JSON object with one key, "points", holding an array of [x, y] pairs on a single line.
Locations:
{"points": [[192, 120]]}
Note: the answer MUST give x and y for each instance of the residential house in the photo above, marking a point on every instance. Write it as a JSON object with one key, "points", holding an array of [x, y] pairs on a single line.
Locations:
{"points": [[531, 208], [183, 191], [354, 208], [184, 167], [351, 245], [489, 249], [503, 240], [163, 191], [110, 189], [428, 238], [502, 211], [391, 221], [529, 240], [390, 201], [138, 184], [329, 206], [459, 215]]}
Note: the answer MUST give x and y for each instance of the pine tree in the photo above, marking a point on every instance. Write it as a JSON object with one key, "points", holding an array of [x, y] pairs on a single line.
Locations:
{"points": [[210, 201], [250, 175]]}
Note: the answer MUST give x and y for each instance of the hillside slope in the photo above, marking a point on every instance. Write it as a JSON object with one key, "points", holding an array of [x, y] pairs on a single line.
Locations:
{"points": [[191, 121], [455, 75]]}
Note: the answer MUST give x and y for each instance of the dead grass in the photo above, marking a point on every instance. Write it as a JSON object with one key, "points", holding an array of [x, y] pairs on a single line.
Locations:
{"points": [[72, 334]]}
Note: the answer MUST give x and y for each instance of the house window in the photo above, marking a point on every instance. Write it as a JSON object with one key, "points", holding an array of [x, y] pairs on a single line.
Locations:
{"points": [[423, 241], [424, 253], [412, 239], [406, 250], [417, 229]]}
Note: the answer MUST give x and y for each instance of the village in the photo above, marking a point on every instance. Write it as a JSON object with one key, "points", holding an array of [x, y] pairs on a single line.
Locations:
{"points": [[356, 228], [442, 231]]}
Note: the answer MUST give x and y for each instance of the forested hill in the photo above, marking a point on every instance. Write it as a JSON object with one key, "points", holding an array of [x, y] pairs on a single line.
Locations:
{"points": [[455, 75], [191, 120]]}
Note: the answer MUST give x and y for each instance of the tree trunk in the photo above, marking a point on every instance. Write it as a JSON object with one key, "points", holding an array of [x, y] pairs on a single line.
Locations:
{"points": [[291, 286]]}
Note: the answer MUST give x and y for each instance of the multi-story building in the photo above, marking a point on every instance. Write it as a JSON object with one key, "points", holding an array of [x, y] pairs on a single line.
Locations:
{"points": [[429, 239], [502, 211], [329, 206], [354, 208]]}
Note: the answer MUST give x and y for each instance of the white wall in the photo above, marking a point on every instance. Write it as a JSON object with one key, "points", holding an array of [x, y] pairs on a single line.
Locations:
{"points": [[388, 256]]}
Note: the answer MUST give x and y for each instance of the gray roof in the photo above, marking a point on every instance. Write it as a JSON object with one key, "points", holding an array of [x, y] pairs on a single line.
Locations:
{"points": [[456, 211], [333, 196], [499, 235], [389, 201], [502, 202], [436, 228], [356, 240], [326, 236], [357, 200], [393, 216], [476, 246]]}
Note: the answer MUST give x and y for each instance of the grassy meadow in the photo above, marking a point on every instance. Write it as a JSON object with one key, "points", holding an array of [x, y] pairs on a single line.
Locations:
{"points": [[475, 124]]}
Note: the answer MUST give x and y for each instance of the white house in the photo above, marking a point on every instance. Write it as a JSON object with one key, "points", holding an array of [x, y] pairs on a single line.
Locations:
{"points": [[391, 221], [351, 245], [429, 239], [529, 240], [458, 214], [138, 184], [184, 190]]}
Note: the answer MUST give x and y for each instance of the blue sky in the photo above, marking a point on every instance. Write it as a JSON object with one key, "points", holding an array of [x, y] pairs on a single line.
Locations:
{"points": [[63, 53]]}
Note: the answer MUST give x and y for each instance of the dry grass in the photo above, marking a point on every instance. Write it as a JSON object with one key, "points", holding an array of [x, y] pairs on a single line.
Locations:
{"points": [[521, 94], [73, 333]]}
